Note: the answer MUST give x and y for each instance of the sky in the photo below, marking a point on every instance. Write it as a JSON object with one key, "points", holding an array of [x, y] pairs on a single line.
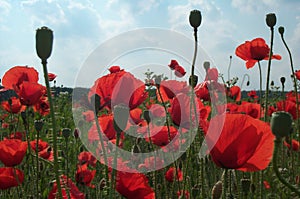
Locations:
{"points": [[88, 33]]}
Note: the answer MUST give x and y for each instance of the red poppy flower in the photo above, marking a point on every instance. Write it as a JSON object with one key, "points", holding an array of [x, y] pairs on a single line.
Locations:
{"points": [[183, 194], [291, 96], [85, 176], [160, 136], [235, 93], [295, 145], [254, 51], [119, 88], [170, 88], [252, 94], [173, 64], [179, 71], [287, 106], [30, 93], [44, 150], [252, 109], [266, 184], [134, 185], [10, 177], [244, 143], [12, 152], [66, 183], [17, 135], [114, 69], [51, 77], [42, 106], [152, 163], [212, 74], [135, 116], [86, 157], [202, 91], [170, 175], [13, 105], [17, 75], [297, 74]]}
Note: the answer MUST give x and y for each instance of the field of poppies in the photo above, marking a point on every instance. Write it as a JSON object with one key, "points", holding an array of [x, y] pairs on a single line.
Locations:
{"points": [[152, 138]]}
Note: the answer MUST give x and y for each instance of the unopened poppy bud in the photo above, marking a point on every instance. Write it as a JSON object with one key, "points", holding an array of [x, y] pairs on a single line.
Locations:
{"points": [[66, 132], [206, 65], [121, 115], [157, 80], [248, 83], [272, 83], [271, 20], [38, 125], [195, 18], [281, 30], [76, 133], [282, 80], [44, 42], [246, 183], [281, 123], [147, 116], [193, 80], [216, 192]]}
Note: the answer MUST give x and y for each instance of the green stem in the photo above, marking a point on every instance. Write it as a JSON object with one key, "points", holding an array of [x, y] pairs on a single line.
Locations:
{"points": [[195, 53], [225, 183], [113, 176], [54, 132], [276, 170], [37, 163], [260, 86]]}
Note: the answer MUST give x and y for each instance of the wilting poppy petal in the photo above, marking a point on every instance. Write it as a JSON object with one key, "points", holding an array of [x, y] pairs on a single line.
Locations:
{"points": [[244, 143], [10, 177]]}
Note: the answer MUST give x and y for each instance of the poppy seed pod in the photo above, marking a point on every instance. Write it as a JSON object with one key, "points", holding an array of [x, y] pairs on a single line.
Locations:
{"points": [[147, 116], [271, 20], [282, 80], [66, 132], [44, 42], [206, 65], [121, 115], [281, 124], [38, 125], [193, 80], [195, 18], [281, 30]]}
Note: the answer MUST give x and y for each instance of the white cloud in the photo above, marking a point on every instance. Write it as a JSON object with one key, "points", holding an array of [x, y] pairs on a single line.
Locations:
{"points": [[250, 6], [5, 8], [146, 5]]}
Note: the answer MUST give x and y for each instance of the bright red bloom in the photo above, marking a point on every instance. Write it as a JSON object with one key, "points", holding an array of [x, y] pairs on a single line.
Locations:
{"points": [[179, 71], [10, 177], [287, 106], [13, 105], [160, 136], [12, 152], [252, 94], [295, 145], [252, 109], [244, 143], [170, 88], [66, 183], [135, 116], [85, 176], [30, 93], [202, 91], [86, 157], [170, 175], [134, 185], [173, 64], [254, 51], [235, 93], [114, 69], [119, 88], [297, 74], [17, 75], [266, 184], [51, 77], [44, 150], [42, 106], [17, 135]]}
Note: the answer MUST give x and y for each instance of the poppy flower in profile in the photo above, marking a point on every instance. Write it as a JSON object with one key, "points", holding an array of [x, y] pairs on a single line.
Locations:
{"points": [[134, 185], [254, 51], [295, 145], [235, 93], [179, 71], [10, 177], [85, 176], [51, 77], [13, 105], [170, 88], [114, 69], [252, 94], [30, 93], [66, 183], [173, 64], [44, 149], [17, 75], [242, 143], [252, 109], [170, 175], [12, 152], [297, 74], [86, 157]]}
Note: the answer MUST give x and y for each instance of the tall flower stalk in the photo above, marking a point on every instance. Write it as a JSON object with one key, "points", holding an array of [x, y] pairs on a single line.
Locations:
{"points": [[44, 42]]}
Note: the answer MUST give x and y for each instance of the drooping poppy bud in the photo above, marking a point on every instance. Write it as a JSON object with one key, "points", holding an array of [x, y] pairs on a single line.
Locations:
{"points": [[121, 115], [271, 20], [44, 42], [282, 80], [195, 18], [281, 124], [281, 30]]}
